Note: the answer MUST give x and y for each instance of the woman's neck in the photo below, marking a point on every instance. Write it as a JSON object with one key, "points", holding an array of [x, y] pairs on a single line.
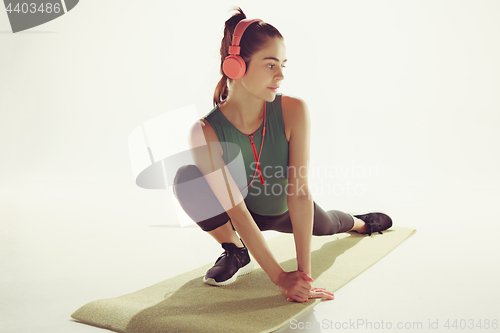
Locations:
{"points": [[243, 108]]}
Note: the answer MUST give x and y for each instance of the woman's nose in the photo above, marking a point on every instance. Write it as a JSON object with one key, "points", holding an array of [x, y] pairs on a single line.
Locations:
{"points": [[280, 75]]}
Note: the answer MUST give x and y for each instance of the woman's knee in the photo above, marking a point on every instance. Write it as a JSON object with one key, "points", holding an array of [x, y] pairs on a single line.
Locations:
{"points": [[197, 199], [216, 224], [186, 173]]}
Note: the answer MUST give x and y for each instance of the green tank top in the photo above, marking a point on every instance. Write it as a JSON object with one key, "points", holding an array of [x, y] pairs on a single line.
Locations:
{"points": [[270, 198]]}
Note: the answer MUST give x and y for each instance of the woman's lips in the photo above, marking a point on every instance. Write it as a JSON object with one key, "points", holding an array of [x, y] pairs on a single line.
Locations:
{"points": [[275, 89]]}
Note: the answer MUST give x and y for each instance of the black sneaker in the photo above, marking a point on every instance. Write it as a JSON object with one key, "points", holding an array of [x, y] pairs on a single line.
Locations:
{"points": [[375, 222], [235, 261]]}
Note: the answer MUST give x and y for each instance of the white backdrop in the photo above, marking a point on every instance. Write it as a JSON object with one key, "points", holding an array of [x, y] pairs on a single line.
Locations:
{"points": [[407, 86], [404, 101]]}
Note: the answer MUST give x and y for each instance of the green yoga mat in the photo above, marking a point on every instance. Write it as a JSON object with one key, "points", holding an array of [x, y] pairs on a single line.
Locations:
{"points": [[251, 304]]}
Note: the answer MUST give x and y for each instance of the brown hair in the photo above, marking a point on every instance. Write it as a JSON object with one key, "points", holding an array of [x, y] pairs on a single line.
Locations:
{"points": [[255, 36]]}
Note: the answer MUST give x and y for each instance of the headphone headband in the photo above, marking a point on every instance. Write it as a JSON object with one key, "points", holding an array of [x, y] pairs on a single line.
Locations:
{"points": [[239, 30], [234, 66]]}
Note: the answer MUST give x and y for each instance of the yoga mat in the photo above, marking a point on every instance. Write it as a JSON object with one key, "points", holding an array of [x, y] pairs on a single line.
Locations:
{"points": [[251, 304]]}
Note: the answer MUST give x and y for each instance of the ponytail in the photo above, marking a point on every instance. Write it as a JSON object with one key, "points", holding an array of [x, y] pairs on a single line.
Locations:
{"points": [[221, 90]]}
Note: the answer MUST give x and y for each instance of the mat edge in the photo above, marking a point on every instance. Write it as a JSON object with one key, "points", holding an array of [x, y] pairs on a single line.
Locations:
{"points": [[311, 306]]}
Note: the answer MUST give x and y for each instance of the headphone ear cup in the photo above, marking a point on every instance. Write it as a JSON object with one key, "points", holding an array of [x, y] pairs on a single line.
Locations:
{"points": [[234, 66]]}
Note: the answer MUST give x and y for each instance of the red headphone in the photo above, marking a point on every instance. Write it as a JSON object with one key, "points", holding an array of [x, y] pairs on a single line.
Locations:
{"points": [[234, 66]]}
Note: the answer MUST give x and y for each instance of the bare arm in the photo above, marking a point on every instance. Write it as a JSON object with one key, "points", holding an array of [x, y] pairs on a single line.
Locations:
{"points": [[208, 158], [255, 242], [300, 203], [302, 220], [299, 199]]}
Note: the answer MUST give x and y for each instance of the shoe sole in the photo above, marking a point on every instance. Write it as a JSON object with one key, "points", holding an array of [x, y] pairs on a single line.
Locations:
{"points": [[242, 271]]}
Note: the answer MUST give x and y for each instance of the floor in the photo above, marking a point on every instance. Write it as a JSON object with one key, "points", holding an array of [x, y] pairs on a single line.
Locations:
{"points": [[59, 251]]}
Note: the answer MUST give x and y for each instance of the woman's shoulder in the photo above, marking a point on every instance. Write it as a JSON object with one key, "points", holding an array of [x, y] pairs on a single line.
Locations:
{"points": [[292, 103], [202, 126], [295, 113], [201, 133], [294, 109]]}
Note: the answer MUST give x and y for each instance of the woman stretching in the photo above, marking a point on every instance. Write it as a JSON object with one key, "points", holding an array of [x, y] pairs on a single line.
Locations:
{"points": [[271, 132]]}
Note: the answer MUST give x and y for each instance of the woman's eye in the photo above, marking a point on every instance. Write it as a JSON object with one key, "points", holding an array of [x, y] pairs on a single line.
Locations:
{"points": [[272, 66]]}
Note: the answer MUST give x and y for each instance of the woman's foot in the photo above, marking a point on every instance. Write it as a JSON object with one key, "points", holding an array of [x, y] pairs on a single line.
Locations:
{"points": [[235, 261], [359, 225], [371, 222]]}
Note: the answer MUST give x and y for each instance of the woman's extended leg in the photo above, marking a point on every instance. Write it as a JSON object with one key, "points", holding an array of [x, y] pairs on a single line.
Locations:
{"points": [[331, 222], [328, 223], [359, 225], [325, 223]]}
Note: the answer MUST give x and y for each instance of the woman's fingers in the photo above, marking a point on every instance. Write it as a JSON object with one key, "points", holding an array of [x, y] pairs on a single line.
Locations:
{"points": [[300, 295], [297, 298], [314, 293], [297, 287], [302, 284], [321, 292], [318, 288], [305, 276]]}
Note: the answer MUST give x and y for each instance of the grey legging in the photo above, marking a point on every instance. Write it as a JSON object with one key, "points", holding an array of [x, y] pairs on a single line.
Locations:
{"points": [[199, 201]]}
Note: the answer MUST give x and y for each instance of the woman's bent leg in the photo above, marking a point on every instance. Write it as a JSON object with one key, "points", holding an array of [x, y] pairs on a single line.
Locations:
{"points": [[226, 234], [198, 201], [197, 198]]}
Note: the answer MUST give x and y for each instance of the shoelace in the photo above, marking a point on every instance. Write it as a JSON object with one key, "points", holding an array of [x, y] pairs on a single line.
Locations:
{"points": [[229, 253], [373, 223]]}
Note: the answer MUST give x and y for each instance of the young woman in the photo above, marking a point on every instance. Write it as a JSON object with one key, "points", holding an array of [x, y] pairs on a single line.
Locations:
{"points": [[272, 132]]}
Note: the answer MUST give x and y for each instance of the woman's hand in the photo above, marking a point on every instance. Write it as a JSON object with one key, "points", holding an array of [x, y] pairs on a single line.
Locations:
{"points": [[296, 286]]}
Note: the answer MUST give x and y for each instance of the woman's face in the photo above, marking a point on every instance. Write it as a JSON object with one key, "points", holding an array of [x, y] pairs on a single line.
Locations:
{"points": [[265, 70]]}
